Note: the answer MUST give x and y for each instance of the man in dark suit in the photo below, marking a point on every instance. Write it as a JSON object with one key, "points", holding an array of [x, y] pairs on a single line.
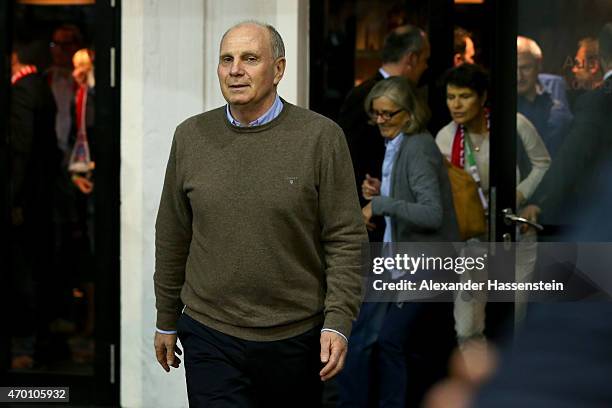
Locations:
{"points": [[34, 160], [588, 145], [405, 53]]}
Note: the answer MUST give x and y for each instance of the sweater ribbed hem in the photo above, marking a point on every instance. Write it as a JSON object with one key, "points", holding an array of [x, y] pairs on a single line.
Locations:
{"points": [[258, 333]]}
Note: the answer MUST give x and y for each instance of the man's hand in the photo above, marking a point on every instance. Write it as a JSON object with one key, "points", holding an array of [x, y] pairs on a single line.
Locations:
{"points": [[333, 354], [367, 215], [530, 212], [165, 349], [370, 187]]}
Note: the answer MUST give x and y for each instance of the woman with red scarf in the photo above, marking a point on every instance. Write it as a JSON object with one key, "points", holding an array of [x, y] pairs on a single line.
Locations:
{"points": [[465, 143]]}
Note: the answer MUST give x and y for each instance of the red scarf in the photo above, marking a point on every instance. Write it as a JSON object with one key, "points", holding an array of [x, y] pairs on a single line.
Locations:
{"points": [[23, 72], [458, 150], [81, 106]]}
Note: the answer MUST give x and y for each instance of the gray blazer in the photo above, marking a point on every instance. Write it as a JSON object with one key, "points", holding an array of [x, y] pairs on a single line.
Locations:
{"points": [[421, 202]]}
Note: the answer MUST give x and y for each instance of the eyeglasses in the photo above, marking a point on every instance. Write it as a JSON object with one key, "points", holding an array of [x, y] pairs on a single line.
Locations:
{"points": [[61, 44], [385, 115]]}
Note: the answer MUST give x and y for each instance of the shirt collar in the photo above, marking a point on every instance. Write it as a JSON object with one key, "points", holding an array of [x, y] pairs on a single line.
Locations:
{"points": [[267, 117], [384, 73], [607, 75], [395, 142]]}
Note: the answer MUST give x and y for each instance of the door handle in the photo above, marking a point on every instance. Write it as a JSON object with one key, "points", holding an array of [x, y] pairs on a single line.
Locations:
{"points": [[510, 218]]}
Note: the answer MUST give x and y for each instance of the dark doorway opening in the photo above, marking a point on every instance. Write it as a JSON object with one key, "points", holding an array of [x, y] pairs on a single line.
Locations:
{"points": [[60, 247]]}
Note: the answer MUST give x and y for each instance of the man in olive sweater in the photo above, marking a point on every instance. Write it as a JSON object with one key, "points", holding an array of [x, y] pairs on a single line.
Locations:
{"points": [[258, 240]]}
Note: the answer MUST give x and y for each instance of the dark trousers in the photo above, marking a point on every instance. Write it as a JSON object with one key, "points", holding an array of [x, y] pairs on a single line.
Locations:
{"points": [[224, 371], [396, 353], [415, 343], [356, 382]]}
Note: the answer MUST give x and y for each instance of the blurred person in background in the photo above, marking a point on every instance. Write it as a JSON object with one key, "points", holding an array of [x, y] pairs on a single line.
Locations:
{"points": [[34, 164], [414, 197], [465, 142], [561, 356], [463, 46], [565, 189], [541, 97], [405, 53], [66, 40], [586, 69], [81, 166]]}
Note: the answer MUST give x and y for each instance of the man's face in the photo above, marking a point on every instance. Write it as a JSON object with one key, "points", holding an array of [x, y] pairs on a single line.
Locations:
{"points": [[468, 56], [416, 64], [422, 62], [527, 69], [584, 68], [247, 72], [63, 47]]}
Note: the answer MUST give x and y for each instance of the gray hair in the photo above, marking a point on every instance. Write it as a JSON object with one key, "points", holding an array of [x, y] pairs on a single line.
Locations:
{"points": [[276, 41], [401, 41], [525, 45], [402, 93]]}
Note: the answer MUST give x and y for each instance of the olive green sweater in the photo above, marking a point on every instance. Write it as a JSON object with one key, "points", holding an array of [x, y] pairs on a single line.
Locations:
{"points": [[259, 230]]}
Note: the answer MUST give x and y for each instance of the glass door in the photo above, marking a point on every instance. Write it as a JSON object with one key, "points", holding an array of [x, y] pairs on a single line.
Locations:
{"points": [[61, 202]]}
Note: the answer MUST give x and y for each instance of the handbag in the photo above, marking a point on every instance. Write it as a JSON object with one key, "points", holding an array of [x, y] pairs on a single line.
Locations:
{"points": [[468, 207]]}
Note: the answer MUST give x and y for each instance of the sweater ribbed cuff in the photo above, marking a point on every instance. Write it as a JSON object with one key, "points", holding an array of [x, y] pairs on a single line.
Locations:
{"points": [[338, 322], [167, 321]]}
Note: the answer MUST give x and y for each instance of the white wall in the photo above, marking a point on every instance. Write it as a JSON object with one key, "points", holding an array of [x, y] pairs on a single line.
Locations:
{"points": [[162, 84], [169, 54]]}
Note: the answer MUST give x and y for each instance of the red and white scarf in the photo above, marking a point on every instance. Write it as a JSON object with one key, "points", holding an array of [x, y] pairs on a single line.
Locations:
{"points": [[23, 72], [458, 149]]}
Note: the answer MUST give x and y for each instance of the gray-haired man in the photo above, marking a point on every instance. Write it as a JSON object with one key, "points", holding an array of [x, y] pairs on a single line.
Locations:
{"points": [[258, 237]]}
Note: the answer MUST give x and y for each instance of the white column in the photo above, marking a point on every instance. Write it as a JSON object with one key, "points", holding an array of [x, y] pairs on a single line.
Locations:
{"points": [[162, 76]]}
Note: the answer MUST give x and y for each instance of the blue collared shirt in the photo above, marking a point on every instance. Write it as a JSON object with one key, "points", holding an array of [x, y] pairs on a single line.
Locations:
{"points": [[270, 114], [384, 73], [550, 116], [391, 148]]}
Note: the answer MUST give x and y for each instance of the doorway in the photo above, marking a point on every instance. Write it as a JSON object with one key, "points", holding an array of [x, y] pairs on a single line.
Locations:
{"points": [[61, 257]]}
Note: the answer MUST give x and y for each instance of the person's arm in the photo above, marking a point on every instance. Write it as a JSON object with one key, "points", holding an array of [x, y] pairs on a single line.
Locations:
{"points": [[342, 234], [573, 158], [172, 240], [537, 154], [21, 142], [422, 171], [444, 140]]}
